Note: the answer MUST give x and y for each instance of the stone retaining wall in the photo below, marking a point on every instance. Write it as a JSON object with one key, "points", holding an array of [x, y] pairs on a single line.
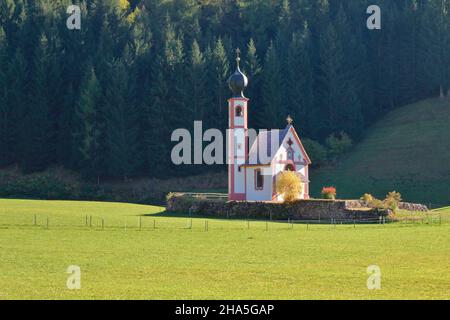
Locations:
{"points": [[299, 210], [413, 207]]}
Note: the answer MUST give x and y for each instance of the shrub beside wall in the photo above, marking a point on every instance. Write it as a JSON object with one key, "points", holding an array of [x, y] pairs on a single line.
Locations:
{"points": [[37, 187]]}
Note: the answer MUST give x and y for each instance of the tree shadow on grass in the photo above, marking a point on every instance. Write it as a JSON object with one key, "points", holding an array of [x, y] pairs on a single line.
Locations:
{"points": [[168, 214]]}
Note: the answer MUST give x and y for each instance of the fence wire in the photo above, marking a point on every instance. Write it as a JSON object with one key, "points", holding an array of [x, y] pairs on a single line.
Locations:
{"points": [[93, 222]]}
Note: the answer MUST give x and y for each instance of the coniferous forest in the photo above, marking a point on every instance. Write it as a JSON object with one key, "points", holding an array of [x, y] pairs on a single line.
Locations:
{"points": [[104, 100]]}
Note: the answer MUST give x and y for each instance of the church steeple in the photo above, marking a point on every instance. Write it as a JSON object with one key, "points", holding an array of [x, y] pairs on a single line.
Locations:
{"points": [[238, 133], [238, 80]]}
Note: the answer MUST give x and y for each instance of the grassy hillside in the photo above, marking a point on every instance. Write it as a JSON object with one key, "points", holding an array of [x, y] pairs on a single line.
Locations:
{"points": [[408, 150], [227, 262]]}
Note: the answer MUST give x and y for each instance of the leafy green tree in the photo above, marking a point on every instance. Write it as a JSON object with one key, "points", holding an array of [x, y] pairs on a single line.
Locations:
{"points": [[338, 144], [316, 152]]}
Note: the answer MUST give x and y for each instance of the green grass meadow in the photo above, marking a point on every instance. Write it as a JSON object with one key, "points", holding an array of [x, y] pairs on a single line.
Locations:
{"points": [[408, 150], [142, 254]]}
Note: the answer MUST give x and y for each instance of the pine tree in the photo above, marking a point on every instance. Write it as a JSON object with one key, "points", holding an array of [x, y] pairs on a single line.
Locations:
{"points": [[36, 130], [253, 70], [15, 106], [218, 73], [299, 80], [177, 110], [352, 77], [272, 97], [284, 28], [407, 52], [326, 79], [54, 90], [330, 81], [197, 83], [87, 130], [5, 112], [157, 153], [436, 44], [121, 130]]}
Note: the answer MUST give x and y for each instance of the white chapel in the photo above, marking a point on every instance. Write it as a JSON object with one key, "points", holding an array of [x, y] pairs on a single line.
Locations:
{"points": [[253, 167]]}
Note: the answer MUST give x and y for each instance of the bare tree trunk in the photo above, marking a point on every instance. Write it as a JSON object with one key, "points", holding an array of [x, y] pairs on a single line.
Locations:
{"points": [[441, 92]]}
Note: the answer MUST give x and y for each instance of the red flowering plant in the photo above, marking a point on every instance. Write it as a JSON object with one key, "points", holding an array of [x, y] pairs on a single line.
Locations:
{"points": [[329, 193]]}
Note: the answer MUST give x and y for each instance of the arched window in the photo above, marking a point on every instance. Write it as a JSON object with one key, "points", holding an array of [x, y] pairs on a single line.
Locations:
{"points": [[239, 111], [259, 180], [289, 167]]}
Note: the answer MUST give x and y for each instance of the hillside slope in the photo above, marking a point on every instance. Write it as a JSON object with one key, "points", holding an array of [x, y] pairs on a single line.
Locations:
{"points": [[408, 150]]}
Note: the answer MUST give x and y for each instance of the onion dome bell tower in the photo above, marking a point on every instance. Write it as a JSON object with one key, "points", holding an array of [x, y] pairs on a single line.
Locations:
{"points": [[237, 134], [238, 81]]}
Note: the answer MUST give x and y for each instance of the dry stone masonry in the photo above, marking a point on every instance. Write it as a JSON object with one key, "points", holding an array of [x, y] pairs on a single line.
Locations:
{"points": [[299, 210]]}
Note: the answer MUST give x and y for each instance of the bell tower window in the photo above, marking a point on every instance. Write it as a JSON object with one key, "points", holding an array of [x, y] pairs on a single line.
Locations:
{"points": [[239, 112]]}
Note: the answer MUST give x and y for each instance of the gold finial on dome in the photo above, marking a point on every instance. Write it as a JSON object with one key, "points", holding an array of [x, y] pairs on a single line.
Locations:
{"points": [[238, 56]]}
